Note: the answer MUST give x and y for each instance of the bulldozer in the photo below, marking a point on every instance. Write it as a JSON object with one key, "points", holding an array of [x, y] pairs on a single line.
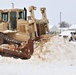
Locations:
{"points": [[18, 31]]}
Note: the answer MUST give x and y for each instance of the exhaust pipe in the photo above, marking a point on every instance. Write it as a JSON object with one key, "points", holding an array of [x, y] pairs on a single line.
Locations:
{"points": [[25, 12]]}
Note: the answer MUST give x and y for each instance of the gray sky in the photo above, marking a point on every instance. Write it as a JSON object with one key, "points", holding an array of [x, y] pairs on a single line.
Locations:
{"points": [[54, 7]]}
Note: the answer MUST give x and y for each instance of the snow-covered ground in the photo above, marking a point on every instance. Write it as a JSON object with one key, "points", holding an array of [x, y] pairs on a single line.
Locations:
{"points": [[73, 42], [37, 69], [55, 57]]}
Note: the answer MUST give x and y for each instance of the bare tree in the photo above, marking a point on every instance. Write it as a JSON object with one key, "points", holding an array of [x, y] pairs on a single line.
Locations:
{"points": [[64, 24]]}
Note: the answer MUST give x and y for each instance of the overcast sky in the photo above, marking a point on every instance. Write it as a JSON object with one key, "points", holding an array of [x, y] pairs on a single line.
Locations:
{"points": [[53, 9]]}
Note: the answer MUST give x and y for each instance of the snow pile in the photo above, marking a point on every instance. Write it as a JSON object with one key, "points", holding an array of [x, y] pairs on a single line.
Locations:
{"points": [[9, 31], [51, 50], [56, 49]]}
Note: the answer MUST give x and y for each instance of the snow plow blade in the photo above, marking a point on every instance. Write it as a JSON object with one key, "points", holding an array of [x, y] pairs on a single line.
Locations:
{"points": [[15, 48], [24, 51]]}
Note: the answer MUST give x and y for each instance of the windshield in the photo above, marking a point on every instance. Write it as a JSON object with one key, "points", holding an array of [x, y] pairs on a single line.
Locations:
{"points": [[21, 15], [13, 21], [5, 16]]}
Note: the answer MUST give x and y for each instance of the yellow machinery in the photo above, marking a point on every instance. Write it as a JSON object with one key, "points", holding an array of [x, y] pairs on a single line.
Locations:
{"points": [[40, 26], [17, 29]]}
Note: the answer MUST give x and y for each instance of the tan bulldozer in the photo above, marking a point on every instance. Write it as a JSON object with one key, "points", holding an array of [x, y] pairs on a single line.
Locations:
{"points": [[18, 31]]}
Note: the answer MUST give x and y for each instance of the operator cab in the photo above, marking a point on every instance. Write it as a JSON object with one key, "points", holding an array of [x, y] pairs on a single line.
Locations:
{"points": [[11, 16]]}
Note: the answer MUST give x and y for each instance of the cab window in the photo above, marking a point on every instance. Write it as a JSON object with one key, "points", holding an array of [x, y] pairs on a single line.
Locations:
{"points": [[21, 15], [5, 16]]}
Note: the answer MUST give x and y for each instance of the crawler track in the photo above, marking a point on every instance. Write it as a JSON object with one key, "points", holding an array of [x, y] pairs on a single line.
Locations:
{"points": [[24, 50]]}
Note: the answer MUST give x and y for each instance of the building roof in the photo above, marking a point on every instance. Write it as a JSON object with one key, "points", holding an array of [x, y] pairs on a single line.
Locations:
{"points": [[54, 29], [72, 27]]}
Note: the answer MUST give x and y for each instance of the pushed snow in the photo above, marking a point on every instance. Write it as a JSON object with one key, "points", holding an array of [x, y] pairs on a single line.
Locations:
{"points": [[56, 56], [56, 49]]}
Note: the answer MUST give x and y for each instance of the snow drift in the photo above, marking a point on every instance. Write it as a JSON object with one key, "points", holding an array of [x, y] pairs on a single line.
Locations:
{"points": [[56, 49]]}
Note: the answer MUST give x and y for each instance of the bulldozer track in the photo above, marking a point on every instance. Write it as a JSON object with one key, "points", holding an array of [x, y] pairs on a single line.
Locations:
{"points": [[9, 39], [23, 51]]}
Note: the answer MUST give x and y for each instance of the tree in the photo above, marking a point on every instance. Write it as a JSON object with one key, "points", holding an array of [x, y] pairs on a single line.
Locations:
{"points": [[64, 24]]}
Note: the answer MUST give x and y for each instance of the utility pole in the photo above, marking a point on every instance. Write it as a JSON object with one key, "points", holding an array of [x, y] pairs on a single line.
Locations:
{"points": [[12, 5], [60, 22]]}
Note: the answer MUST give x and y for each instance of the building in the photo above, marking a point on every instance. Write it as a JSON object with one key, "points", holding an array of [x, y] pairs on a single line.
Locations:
{"points": [[73, 27], [54, 29]]}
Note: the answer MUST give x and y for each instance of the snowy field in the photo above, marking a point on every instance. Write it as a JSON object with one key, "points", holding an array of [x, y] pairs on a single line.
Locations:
{"points": [[37, 69], [55, 57]]}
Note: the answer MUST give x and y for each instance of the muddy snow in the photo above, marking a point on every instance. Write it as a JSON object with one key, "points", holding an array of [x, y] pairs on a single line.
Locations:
{"points": [[57, 56]]}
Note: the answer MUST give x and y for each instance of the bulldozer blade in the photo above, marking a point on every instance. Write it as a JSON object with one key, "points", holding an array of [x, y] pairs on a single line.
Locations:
{"points": [[10, 53], [24, 53], [30, 46], [38, 38]]}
